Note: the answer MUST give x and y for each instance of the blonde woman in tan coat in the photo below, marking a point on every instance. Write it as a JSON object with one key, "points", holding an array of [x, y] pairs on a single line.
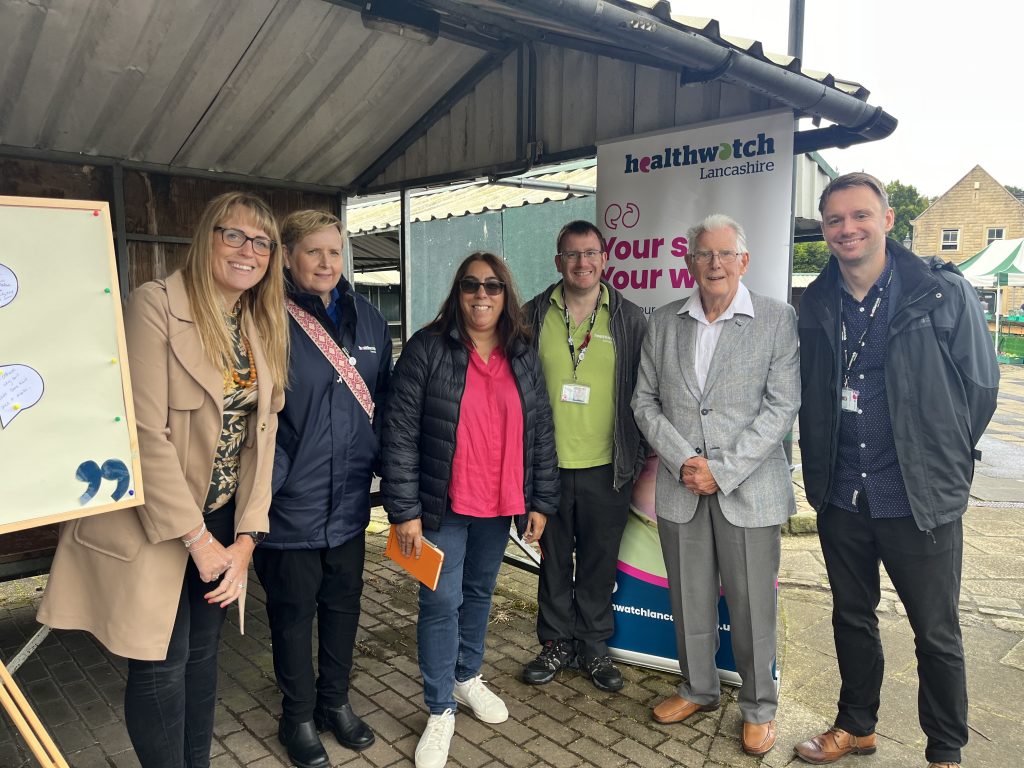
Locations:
{"points": [[207, 348]]}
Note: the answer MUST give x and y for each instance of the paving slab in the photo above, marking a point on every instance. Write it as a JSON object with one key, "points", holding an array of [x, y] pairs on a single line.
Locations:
{"points": [[77, 687]]}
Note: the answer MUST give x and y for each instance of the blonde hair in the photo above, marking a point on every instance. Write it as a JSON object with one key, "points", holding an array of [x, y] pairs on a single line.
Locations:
{"points": [[300, 224], [264, 302]]}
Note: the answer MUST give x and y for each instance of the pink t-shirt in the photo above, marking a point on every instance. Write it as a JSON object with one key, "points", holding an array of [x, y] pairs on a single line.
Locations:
{"points": [[487, 471]]}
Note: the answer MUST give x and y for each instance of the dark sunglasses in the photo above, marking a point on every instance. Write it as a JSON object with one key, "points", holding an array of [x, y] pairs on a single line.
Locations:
{"points": [[472, 285]]}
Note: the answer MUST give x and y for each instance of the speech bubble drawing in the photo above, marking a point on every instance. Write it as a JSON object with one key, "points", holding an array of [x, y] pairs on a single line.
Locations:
{"points": [[21, 387], [8, 285]]}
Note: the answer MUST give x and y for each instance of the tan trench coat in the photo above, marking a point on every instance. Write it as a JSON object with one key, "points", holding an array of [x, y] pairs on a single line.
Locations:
{"points": [[118, 575]]}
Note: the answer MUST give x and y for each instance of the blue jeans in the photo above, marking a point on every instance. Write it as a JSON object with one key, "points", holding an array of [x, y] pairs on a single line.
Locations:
{"points": [[169, 704], [453, 618]]}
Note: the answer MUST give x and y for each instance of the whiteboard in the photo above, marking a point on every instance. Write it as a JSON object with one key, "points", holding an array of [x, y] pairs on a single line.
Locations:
{"points": [[68, 445]]}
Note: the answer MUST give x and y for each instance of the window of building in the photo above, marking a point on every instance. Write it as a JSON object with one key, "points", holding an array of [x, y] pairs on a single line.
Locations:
{"points": [[995, 233], [951, 239]]}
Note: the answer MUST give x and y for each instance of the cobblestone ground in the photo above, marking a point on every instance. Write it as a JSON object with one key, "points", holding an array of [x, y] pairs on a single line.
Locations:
{"points": [[76, 687]]}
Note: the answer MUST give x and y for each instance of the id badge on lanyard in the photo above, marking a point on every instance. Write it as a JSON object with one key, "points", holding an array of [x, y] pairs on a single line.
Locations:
{"points": [[850, 396], [849, 400], [574, 392]]}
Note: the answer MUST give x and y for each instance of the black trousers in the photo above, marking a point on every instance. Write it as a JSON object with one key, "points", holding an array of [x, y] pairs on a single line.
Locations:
{"points": [[591, 518], [302, 584], [169, 704], [925, 570]]}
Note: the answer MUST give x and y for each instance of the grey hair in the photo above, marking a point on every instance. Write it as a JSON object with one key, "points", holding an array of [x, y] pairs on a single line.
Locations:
{"points": [[717, 221]]}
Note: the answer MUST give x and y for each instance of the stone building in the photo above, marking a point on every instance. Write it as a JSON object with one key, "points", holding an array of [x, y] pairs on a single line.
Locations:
{"points": [[970, 215]]}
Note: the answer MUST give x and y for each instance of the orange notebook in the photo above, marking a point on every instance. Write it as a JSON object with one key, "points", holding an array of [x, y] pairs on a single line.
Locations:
{"points": [[427, 569]]}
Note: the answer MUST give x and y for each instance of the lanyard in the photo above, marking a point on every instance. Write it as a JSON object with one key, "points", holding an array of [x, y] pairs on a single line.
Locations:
{"points": [[851, 357], [586, 339]]}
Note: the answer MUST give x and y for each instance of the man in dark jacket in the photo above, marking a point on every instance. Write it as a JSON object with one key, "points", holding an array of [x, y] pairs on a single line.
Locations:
{"points": [[589, 339], [899, 381]]}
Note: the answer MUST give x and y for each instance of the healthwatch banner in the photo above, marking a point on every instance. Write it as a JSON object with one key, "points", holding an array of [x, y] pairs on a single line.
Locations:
{"points": [[651, 189]]}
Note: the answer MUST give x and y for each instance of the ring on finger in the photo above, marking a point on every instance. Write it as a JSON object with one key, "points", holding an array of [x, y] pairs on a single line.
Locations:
{"points": [[241, 586]]}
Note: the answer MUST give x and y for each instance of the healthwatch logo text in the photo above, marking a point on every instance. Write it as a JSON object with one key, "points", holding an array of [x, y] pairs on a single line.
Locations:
{"points": [[738, 149]]}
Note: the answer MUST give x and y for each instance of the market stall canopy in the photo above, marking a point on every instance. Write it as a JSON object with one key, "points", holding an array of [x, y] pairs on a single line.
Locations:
{"points": [[356, 96], [999, 256]]}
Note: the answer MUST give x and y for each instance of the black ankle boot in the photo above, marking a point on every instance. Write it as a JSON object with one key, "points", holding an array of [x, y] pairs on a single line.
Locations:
{"points": [[303, 744], [346, 726]]}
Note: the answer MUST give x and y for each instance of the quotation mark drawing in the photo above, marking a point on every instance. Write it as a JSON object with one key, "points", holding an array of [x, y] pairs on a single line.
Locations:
{"points": [[92, 473], [615, 214]]}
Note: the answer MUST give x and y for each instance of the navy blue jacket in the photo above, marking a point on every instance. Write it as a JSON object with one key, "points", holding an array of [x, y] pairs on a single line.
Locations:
{"points": [[327, 449]]}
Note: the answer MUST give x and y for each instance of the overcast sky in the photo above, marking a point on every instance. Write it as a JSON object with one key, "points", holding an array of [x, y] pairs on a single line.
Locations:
{"points": [[953, 78]]}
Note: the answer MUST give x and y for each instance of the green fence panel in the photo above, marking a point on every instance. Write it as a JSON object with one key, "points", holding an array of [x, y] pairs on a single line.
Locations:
{"points": [[438, 247], [529, 240]]}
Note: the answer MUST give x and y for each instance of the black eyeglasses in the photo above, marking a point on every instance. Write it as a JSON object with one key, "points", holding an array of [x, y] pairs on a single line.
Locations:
{"points": [[235, 238], [472, 285], [589, 255]]}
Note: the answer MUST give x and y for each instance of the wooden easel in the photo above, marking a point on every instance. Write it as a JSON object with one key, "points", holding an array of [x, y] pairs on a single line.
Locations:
{"points": [[27, 723]]}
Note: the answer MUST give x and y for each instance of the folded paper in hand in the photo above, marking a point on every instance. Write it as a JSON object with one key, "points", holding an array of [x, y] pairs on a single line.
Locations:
{"points": [[427, 569]]}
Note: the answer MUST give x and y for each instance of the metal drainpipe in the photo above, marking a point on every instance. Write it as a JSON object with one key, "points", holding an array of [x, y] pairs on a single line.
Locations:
{"points": [[640, 30], [796, 28], [545, 185]]}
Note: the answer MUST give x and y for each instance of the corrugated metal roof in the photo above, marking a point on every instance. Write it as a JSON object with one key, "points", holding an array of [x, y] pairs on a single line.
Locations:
{"points": [[465, 199], [292, 90]]}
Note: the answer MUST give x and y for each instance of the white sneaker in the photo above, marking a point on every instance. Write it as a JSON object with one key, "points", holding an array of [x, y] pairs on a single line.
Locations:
{"points": [[483, 702], [432, 750]]}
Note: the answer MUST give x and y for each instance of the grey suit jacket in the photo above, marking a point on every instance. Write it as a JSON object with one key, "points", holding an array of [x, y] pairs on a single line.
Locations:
{"points": [[750, 400]]}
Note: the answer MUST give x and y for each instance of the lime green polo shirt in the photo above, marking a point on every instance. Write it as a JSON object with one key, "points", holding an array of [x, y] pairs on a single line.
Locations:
{"points": [[583, 432]]}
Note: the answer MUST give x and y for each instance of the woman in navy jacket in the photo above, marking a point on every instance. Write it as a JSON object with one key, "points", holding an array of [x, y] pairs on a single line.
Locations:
{"points": [[468, 443], [311, 563]]}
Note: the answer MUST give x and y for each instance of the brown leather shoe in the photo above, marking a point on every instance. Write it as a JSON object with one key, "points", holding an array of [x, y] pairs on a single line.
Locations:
{"points": [[758, 738], [675, 709], [834, 744]]}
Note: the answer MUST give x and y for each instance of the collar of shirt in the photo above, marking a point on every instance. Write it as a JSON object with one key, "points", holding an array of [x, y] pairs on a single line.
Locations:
{"points": [[741, 305], [558, 298], [879, 284], [333, 306]]}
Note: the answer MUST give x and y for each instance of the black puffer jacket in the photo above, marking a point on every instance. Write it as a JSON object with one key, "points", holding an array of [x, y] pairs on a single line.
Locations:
{"points": [[420, 422]]}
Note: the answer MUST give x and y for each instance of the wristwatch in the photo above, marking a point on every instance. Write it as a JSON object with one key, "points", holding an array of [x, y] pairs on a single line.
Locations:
{"points": [[256, 536]]}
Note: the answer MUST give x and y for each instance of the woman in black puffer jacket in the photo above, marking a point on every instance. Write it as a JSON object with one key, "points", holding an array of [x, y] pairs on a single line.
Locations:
{"points": [[468, 442]]}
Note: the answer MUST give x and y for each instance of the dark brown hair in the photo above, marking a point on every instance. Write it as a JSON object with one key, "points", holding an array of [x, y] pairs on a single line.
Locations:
{"points": [[511, 327], [857, 179], [579, 227]]}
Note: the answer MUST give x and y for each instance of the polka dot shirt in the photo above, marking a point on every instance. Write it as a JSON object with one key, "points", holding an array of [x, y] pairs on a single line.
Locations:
{"points": [[868, 475]]}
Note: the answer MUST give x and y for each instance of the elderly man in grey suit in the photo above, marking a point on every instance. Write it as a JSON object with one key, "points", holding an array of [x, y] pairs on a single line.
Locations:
{"points": [[718, 389]]}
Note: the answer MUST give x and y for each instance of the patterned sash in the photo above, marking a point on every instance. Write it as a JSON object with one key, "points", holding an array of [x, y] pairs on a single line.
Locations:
{"points": [[334, 354]]}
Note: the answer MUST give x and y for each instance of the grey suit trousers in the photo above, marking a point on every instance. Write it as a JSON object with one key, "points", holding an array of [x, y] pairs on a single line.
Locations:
{"points": [[696, 554]]}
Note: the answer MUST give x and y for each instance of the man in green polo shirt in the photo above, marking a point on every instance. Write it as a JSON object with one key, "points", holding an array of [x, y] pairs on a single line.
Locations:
{"points": [[589, 338]]}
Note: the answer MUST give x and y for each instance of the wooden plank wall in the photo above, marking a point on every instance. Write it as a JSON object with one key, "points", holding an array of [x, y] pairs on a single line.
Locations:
{"points": [[155, 204], [582, 99]]}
